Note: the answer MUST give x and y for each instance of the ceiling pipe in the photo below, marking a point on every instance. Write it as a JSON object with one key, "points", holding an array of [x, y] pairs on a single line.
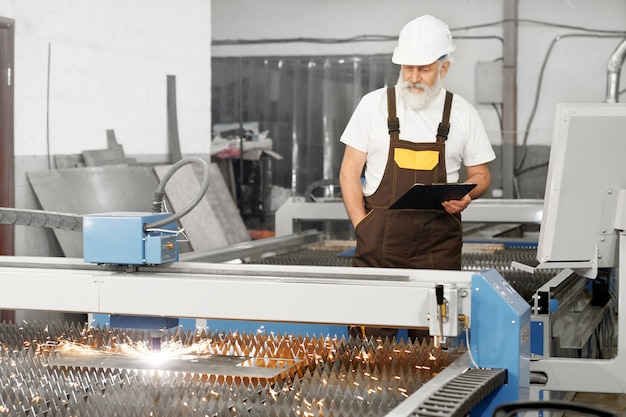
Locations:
{"points": [[613, 71]]}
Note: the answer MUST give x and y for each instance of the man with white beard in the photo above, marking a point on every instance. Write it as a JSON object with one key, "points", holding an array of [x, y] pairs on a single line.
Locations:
{"points": [[423, 136]]}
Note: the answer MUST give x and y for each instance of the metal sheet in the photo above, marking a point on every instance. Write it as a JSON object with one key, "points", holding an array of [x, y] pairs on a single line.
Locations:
{"points": [[227, 365], [258, 249], [101, 157], [90, 191], [113, 155], [225, 208], [215, 221], [336, 377]]}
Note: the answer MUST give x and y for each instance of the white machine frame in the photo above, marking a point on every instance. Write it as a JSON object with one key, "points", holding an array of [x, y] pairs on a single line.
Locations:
{"points": [[403, 298], [583, 229], [296, 210], [589, 375]]}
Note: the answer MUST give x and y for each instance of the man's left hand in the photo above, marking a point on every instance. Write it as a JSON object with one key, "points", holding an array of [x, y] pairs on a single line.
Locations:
{"points": [[457, 206]]}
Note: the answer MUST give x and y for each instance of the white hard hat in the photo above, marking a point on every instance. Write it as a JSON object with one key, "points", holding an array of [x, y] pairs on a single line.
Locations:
{"points": [[423, 41]]}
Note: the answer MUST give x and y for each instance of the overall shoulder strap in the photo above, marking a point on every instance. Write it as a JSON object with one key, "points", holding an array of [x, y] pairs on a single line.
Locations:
{"points": [[444, 126], [393, 123]]}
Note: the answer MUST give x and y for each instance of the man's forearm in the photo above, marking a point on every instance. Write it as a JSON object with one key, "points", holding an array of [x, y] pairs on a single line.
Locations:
{"points": [[350, 182], [482, 185], [353, 201], [480, 176]]}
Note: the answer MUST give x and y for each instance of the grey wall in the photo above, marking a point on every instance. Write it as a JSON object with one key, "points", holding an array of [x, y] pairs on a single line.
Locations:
{"points": [[82, 68]]}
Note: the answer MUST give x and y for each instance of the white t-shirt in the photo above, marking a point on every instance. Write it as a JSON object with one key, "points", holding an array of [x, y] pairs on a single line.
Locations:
{"points": [[367, 132]]}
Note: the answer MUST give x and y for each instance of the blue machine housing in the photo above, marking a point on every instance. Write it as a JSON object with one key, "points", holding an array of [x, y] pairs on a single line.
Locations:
{"points": [[119, 238], [500, 337]]}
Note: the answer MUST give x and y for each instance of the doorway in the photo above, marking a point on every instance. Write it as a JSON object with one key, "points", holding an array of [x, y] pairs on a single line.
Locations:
{"points": [[7, 154]]}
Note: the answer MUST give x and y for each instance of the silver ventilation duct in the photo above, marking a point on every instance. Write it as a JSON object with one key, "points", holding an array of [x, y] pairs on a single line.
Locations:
{"points": [[613, 73]]}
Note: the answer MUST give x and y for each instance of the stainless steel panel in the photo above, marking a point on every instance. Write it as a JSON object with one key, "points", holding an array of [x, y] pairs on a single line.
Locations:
{"points": [[215, 221], [225, 209]]}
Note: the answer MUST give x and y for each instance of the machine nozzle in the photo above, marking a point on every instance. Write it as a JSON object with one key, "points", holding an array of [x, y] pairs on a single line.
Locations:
{"points": [[156, 336]]}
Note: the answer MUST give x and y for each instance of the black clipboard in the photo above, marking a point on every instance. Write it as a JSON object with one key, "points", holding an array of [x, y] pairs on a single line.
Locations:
{"points": [[430, 196]]}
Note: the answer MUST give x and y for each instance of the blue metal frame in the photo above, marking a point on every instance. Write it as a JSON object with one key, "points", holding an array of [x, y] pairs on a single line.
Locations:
{"points": [[500, 337]]}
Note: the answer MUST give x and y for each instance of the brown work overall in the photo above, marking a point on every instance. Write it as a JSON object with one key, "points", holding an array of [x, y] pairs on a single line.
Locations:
{"points": [[409, 238]]}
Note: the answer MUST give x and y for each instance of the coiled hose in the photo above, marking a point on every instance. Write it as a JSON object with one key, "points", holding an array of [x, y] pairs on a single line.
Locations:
{"points": [[157, 203]]}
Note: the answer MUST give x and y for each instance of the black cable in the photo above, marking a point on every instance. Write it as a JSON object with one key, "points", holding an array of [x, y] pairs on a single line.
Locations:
{"points": [[360, 38], [499, 38], [388, 38], [354, 39], [537, 22], [600, 354], [511, 409], [499, 114], [532, 167], [524, 143], [562, 26]]}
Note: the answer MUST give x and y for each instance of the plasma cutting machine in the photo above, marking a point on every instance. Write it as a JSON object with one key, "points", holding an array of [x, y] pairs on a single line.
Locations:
{"points": [[125, 273], [477, 311]]}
